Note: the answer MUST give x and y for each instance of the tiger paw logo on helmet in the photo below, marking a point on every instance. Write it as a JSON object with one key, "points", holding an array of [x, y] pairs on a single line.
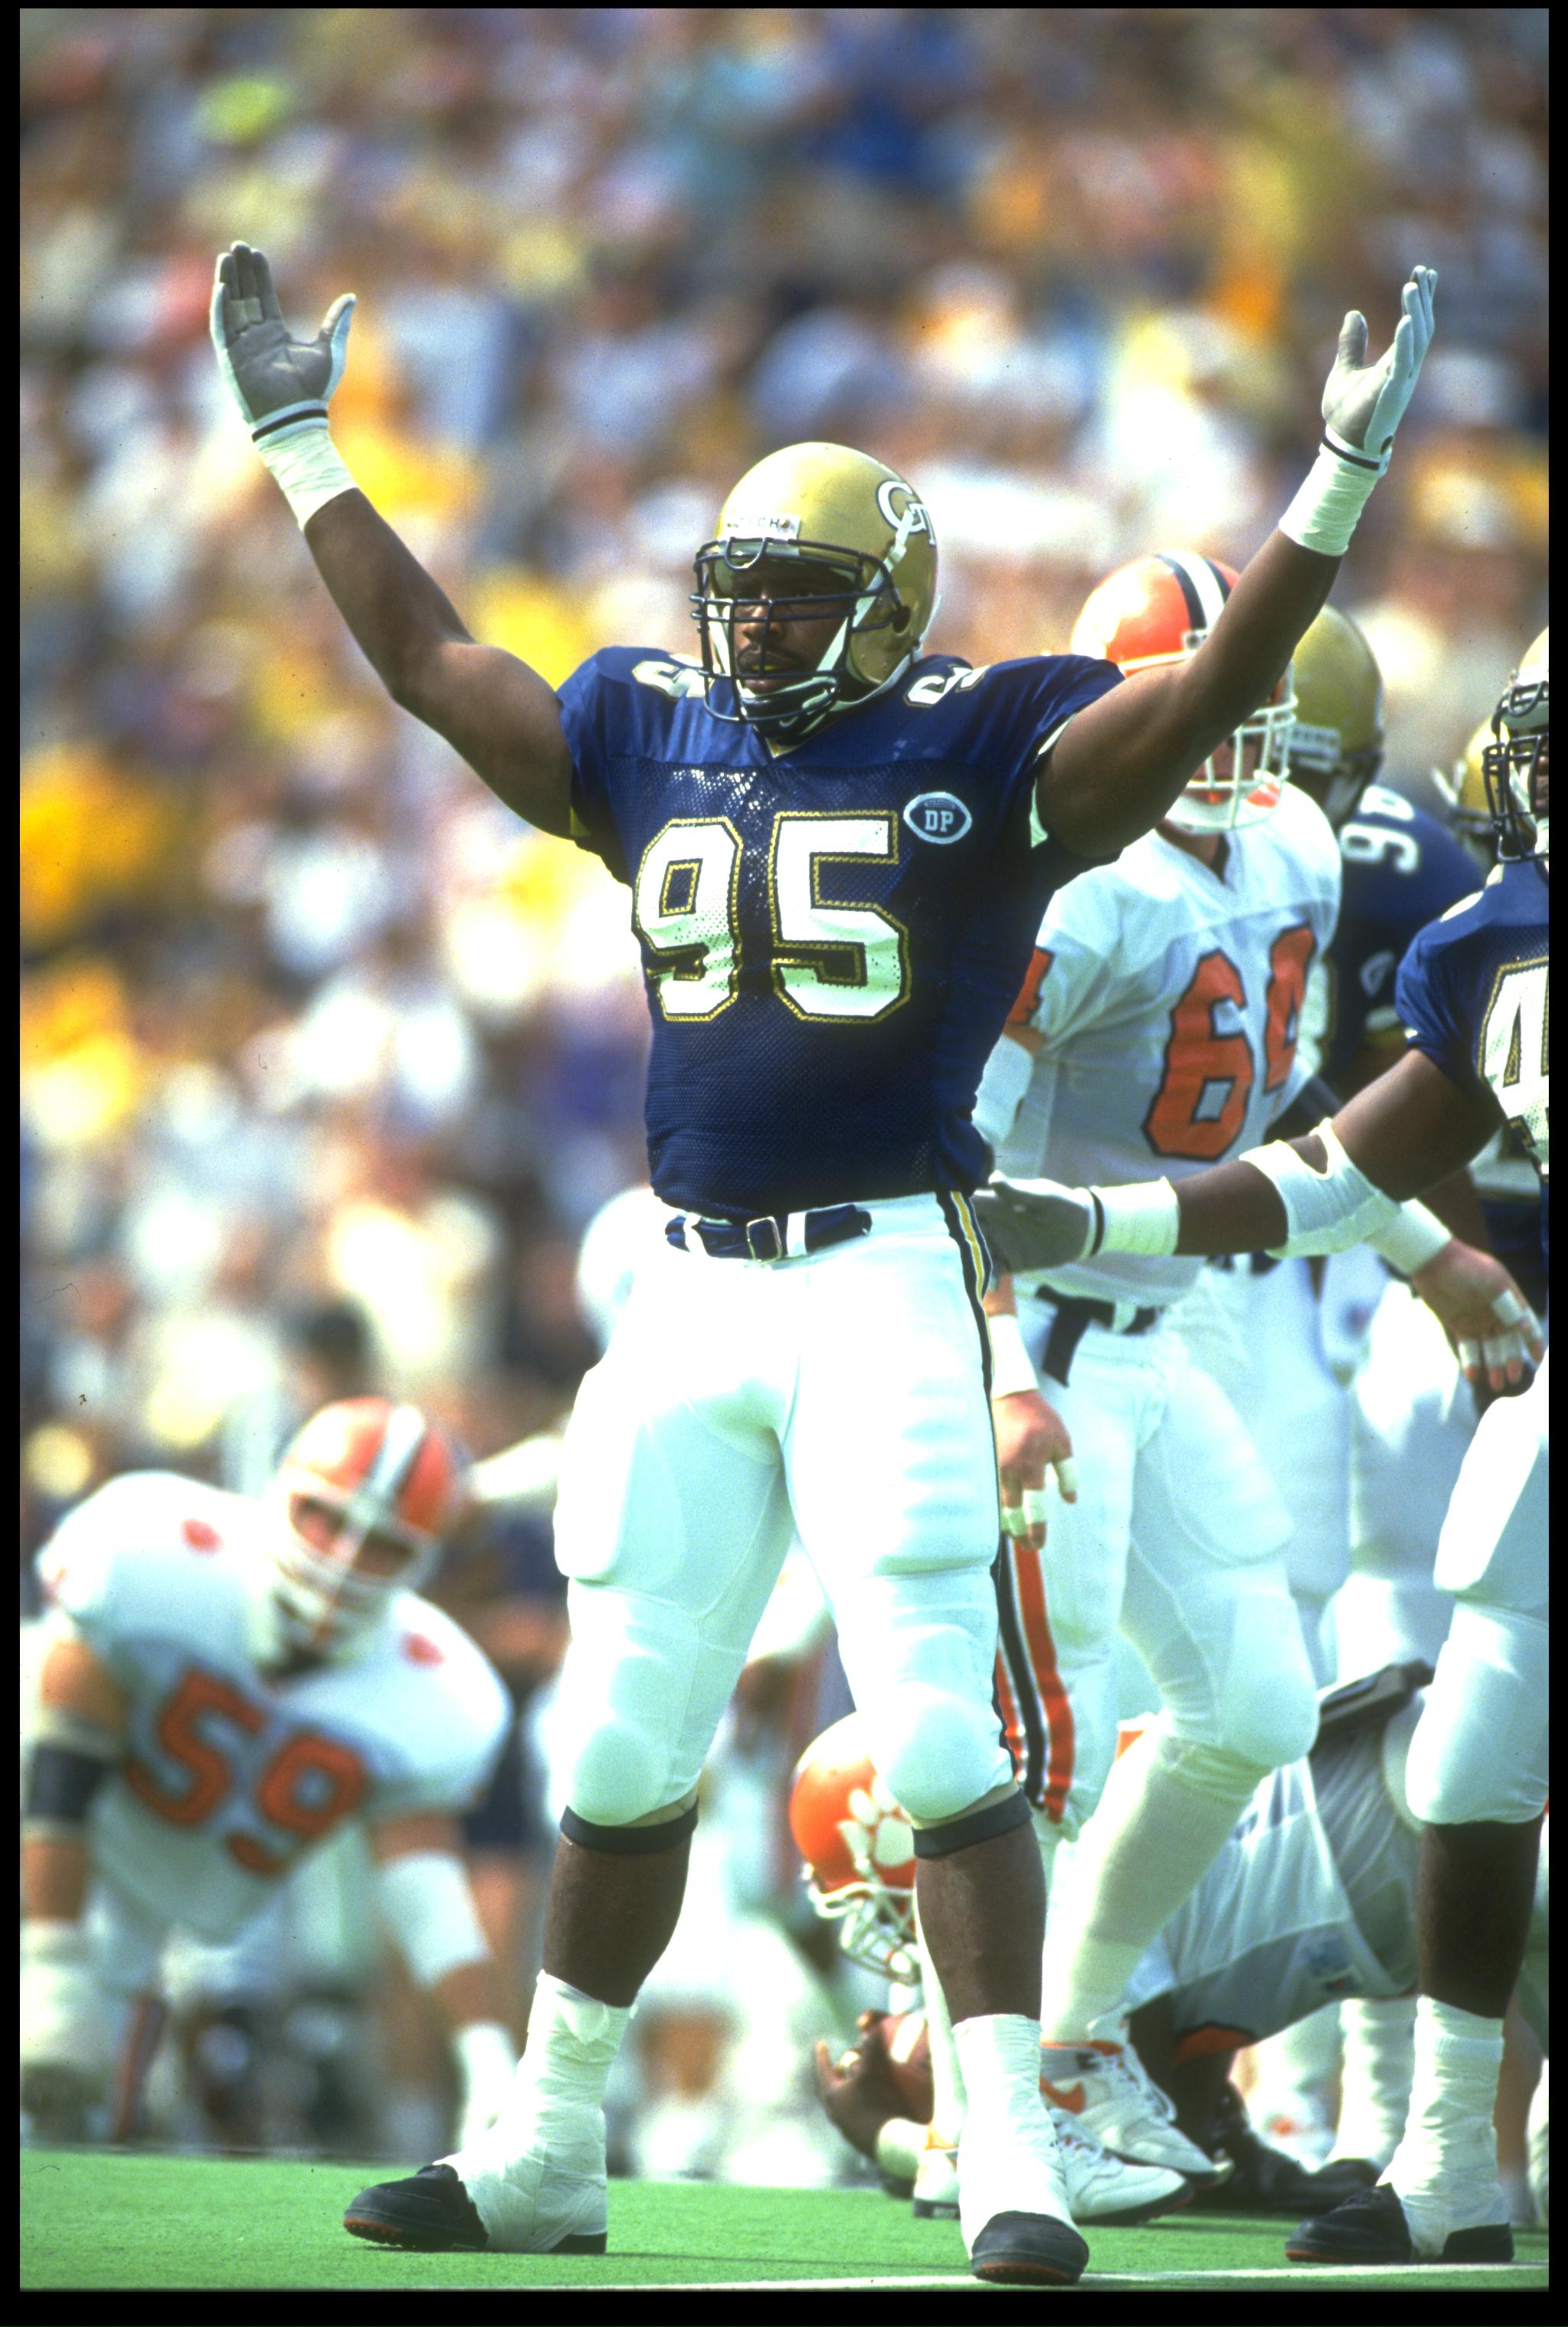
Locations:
{"points": [[858, 1849], [1159, 611], [822, 534]]}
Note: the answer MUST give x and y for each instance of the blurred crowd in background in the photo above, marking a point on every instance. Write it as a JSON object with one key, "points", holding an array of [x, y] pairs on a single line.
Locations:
{"points": [[326, 1061]]}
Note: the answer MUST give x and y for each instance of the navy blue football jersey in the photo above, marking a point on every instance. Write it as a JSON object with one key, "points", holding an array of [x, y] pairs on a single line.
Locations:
{"points": [[832, 935], [1400, 869], [1473, 996]]}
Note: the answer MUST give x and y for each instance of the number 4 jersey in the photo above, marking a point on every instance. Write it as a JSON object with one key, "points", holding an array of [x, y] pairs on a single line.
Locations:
{"points": [[229, 1776], [1167, 998], [831, 936], [1472, 994]]}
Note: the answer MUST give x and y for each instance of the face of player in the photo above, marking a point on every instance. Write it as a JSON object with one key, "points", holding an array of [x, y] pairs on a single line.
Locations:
{"points": [[783, 631], [381, 1556]]}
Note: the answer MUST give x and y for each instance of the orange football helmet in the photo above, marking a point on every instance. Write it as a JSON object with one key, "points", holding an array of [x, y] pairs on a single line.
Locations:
{"points": [[383, 1471], [858, 1849], [1159, 611]]}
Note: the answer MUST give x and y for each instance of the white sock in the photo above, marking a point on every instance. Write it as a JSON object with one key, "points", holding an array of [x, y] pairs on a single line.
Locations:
{"points": [[1450, 2146], [543, 2160], [946, 2069], [1008, 2159], [1165, 1812], [1380, 2034]]}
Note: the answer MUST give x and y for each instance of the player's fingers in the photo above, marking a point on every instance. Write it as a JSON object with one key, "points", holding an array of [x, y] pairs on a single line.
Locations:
{"points": [[1470, 1359], [1353, 338], [1034, 1515], [828, 2073], [1066, 1478], [1013, 1522]]}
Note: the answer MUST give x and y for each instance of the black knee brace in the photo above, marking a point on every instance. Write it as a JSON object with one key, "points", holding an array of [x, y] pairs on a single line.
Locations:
{"points": [[975, 1826], [629, 1841]]}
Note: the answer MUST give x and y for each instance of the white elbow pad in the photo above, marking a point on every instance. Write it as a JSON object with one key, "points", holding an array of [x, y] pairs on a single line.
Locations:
{"points": [[1327, 1210], [1000, 1093], [429, 1908]]}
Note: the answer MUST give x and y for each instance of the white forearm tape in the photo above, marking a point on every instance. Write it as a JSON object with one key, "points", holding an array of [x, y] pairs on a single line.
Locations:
{"points": [[899, 2147], [429, 1907], [1012, 1369], [1327, 1210], [309, 467], [1145, 1217], [1007, 1078], [1338, 487], [1417, 1236]]}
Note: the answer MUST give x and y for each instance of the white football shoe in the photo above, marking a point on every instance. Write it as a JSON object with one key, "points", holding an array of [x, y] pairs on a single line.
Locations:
{"points": [[1103, 2188], [934, 2196], [1105, 2091]]}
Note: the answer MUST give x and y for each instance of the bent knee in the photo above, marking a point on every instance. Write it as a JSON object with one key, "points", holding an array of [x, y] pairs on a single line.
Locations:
{"points": [[939, 1754]]}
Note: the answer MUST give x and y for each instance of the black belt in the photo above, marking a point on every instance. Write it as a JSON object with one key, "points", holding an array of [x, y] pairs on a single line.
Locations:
{"points": [[768, 1238], [1072, 1321]]}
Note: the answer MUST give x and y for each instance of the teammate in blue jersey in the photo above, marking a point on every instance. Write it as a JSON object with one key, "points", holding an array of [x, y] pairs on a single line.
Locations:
{"points": [[838, 854], [1473, 997]]}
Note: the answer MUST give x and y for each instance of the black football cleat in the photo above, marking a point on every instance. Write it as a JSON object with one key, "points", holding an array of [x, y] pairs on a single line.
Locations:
{"points": [[1028, 2250], [431, 2212], [1372, 2228], [1264, 2179]]}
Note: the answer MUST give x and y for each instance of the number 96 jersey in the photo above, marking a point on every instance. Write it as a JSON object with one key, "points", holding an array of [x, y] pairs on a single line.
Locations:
{"points": [[832, 936], [231, 1773], [1167, 997]]}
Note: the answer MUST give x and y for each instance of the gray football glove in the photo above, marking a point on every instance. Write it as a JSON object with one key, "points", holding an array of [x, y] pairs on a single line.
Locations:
{"points": [[1036, 1223], [1364, 403], [280, 384]]}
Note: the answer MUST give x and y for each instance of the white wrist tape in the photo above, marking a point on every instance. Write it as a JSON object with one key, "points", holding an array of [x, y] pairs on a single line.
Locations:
{"points": [[1338, 487], [484, 2055], [1327, 1210], [1408, 1243], [900, 2145], [1011, 1367], [309, 467], [426, 1902], [1142, 1218]]}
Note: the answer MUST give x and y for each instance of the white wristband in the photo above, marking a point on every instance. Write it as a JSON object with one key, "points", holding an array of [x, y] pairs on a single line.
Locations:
{"points": [[424, 1897], [483, 2049], [309, 467], [1145, 1219], [1011, 1367], [1408, 1243], [900, 2145], [1338, 487]]}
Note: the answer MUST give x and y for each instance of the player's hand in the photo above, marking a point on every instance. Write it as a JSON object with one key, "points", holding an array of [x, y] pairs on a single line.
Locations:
{"points": [[276, 382], [65, 2045], [857, 2091], [1030, 1438], [1363, 402], [1034, 1223], [1480, 1308]]}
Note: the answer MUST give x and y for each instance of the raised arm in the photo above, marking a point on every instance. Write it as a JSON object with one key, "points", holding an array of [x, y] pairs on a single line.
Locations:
{"points": [[500, 716], [1125, 759]]}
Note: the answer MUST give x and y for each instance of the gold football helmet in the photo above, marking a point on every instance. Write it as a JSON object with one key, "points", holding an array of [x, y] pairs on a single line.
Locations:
{"points": [[1336, 745], [1463, 787], [821, 530], [1515, 764]]}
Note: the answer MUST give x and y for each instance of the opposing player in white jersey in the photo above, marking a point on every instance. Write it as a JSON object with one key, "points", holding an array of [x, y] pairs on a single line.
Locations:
{"points": [[1312, 1895], [1157, 1032], [224, 1681], [1473, 999]]}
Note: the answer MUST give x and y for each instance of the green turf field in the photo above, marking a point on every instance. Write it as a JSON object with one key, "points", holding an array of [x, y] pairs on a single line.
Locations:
{"points": [[91, 2218]]}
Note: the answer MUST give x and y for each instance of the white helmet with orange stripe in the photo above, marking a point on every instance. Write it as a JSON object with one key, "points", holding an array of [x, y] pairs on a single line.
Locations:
{"points": [[1158, 610], [364, 1496]]}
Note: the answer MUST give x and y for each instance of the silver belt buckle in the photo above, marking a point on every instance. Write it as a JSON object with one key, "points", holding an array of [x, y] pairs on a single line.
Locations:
{"points": [[763, 1241]]}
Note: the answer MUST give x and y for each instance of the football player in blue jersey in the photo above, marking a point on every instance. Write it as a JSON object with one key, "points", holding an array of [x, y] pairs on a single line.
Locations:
{"points": [[1471, 994], [838, 850]]}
